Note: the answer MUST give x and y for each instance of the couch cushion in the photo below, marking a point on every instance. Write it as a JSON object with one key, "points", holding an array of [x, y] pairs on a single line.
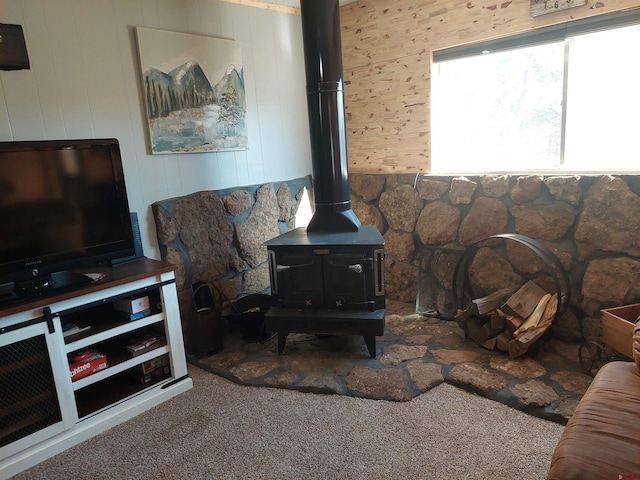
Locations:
{"points": [[602, 438]]}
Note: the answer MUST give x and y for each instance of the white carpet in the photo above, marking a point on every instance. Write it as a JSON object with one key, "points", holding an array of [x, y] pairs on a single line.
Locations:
{"points": [[220, 430]]}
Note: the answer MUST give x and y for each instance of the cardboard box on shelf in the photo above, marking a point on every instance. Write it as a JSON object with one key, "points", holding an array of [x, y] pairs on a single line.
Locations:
{"points": [[144, 342], [69, 329], [132, 305], [152, 369], [155, 374], [154, 363], [83, 364], [137, 316]]}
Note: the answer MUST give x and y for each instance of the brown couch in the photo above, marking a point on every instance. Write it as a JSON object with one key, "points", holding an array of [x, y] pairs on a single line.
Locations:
{"points": [[602, 438]]}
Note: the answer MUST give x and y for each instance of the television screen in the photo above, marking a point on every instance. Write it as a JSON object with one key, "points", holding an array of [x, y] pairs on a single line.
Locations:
{"points": [[63, 204]]}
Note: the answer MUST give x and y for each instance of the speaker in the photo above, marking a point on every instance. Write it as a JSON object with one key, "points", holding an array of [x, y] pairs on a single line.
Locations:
{"points": [[137, 242], [13, 49], [137, 238]]}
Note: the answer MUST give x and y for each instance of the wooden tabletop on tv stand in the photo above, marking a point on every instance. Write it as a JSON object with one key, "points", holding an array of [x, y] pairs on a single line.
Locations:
{"points": [[113, 276]]}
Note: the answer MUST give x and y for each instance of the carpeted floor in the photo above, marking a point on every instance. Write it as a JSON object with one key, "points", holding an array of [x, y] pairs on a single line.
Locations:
{"points": [[221, 430]]}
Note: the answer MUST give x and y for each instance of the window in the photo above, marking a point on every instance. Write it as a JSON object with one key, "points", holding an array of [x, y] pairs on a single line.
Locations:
{"points": [[565, 98]]}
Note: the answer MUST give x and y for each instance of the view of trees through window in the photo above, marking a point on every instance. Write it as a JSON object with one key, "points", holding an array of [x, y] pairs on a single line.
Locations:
{"points": [[503, 111]]}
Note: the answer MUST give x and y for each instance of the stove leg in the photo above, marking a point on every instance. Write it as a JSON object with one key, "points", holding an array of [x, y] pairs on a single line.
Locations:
{"points": [[370, 340], [282, 339]]}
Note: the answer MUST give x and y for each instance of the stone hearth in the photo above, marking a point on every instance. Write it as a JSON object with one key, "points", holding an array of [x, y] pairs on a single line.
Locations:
{"points": [[415, 354]]}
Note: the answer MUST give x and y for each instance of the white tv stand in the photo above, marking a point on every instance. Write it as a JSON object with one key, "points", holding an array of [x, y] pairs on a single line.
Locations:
{"points": [[43, 412]]}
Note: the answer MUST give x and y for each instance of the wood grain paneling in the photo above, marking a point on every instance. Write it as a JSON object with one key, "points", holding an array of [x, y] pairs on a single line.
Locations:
{"points": [[389, 106], [265, 5], [386, 50]]}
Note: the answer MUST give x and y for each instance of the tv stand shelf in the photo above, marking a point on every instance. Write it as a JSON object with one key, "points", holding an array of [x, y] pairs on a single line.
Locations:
{"points": [[44, 411]]}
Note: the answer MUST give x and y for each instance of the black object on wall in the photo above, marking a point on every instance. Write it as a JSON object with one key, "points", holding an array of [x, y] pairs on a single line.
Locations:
{"points": [[325, 100], [13, 49], [137, 242], [327, 278]]}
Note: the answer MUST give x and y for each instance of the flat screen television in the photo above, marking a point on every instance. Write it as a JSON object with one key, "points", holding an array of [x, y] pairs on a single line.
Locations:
{"points": [[63, 205]]}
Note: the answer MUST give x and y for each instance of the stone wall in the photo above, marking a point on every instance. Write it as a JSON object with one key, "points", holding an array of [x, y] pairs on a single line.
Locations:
{"points": [[590, 222], [217, 236]]}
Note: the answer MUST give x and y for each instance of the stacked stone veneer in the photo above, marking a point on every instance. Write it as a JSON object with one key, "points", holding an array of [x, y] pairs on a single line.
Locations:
{"points": [[217, 236], [590, 222]]}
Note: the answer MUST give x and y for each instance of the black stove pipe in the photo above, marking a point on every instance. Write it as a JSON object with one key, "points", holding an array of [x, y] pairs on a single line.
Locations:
{"points": [[325, 100]]}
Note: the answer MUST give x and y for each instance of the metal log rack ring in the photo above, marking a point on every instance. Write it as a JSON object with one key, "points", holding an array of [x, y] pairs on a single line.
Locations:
{"points": [[462, 282]]}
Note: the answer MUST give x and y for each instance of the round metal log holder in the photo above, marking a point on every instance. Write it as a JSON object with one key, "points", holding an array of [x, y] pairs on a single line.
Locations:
{"points": [[462, 282]]}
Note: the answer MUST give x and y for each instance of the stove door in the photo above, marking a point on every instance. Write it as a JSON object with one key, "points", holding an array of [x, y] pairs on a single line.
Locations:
{"points": [[299, 280], [346, 279]]}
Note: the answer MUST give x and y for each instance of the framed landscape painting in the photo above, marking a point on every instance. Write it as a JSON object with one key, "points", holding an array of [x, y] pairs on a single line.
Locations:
{"points": [[193, 89]]}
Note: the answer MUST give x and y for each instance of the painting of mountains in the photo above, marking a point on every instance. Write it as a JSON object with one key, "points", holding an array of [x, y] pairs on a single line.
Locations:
{"points": [[193, 92]]}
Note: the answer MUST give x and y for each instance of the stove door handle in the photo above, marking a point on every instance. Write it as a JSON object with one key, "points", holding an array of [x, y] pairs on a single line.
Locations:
{"points": [[355, 268], [282, 268]]}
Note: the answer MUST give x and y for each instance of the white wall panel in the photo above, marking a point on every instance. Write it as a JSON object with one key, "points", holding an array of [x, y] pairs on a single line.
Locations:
{"points": [[23, 106], [133, 142], [209, 21], [200, 171], [256, 174], [5, 126], [170, 165], [20, 106], [84, 83], [242, 168], [292, 94], [227, 25], [70, 72], [228, 169], [42, 65], [104, 80], [264, 55], [172, 15], [272, 144]]}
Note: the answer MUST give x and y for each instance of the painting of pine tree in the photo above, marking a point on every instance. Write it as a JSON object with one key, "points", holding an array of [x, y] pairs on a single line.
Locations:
{"points": [[193, 92]]}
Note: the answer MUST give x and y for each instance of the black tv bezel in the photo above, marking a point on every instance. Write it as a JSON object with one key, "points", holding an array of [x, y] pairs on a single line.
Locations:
{"points": [[24, 270]]}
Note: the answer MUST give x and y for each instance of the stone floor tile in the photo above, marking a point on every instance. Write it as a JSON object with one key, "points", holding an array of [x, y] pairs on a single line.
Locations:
{"points": [[414, 354]]}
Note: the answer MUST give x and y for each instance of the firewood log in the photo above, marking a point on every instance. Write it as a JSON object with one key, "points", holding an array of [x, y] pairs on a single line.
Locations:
{"points": [[549, 311], [502, 341], [533, 319]]}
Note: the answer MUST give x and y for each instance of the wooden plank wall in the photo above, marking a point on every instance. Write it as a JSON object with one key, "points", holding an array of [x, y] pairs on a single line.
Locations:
{"points": [[386, 50]]}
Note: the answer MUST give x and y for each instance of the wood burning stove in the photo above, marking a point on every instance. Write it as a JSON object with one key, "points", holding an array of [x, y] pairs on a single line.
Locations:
{"points": [[337, 270], [327, 278], [327, 283]]}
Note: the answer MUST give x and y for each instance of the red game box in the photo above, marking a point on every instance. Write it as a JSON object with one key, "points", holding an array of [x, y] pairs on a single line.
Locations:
{"points": [[83, 364]]}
